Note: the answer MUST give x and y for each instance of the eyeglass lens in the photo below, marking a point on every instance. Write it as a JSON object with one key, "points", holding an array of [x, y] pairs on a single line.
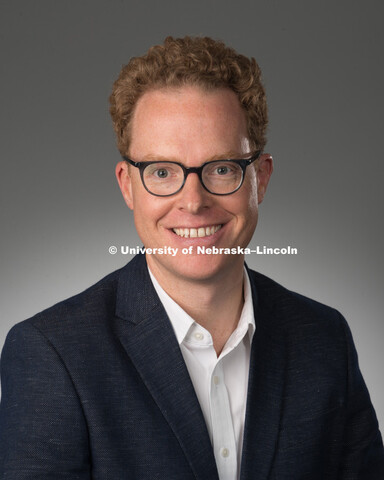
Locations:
{"points": [[221, 177]]}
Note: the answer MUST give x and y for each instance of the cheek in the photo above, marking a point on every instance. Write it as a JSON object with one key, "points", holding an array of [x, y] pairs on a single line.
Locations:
{"points": [[148, 211], [250, 210], [252, 198], [143, 202], [243, 203], [249, 201]]}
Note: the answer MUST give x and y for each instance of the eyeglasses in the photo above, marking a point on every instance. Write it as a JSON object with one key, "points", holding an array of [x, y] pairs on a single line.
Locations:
{"points": [[219, 177]]}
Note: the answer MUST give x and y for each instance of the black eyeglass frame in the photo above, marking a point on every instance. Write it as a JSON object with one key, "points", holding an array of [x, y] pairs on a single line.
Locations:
{"points": [[243, 164]]}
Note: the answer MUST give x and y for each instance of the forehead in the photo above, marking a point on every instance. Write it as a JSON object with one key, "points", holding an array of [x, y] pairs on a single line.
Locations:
{"points": [[188, 119]]}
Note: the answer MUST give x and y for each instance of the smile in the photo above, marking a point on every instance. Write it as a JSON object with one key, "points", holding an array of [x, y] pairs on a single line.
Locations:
{"points": [[196, 232]]}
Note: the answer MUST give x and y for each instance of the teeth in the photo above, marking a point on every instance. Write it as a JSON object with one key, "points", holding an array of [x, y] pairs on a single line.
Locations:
{"points": [[197, 232]]}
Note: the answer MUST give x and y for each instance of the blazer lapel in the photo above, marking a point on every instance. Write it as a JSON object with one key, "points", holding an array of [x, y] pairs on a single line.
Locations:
{"points": [[265, 391], [151, 344]]}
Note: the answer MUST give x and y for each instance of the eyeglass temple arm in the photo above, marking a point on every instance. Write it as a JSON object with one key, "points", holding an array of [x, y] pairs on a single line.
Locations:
{"points": [[135, 164], [256, 156]]}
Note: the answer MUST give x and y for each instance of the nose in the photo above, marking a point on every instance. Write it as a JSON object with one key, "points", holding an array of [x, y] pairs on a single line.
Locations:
{"points": [[193, 198]]}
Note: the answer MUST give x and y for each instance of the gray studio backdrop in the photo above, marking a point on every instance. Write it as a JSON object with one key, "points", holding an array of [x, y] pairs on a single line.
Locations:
{"points": [[61, 209]]}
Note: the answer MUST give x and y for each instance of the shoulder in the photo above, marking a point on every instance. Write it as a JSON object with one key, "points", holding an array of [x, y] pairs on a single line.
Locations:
{"points": [[296, 315], [80, 324], [315, 339], [80, 316], [93, 304]]}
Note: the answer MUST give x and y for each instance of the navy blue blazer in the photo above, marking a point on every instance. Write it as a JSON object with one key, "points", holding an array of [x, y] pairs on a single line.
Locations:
{"points": [[96, 388]]}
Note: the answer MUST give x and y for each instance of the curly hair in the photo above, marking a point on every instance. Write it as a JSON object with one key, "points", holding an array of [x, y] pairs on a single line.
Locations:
{"points": [[196, 61]]}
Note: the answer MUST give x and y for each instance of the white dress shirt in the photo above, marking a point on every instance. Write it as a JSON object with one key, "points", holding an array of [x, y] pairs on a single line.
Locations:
{"points": [[220, 382]]}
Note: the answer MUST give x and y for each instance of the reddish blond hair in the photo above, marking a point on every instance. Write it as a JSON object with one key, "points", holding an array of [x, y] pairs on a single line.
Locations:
{"points": [[196, 61]]}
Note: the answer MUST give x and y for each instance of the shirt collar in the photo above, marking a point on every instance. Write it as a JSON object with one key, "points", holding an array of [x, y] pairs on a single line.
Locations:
{"points": [[182, 323]]}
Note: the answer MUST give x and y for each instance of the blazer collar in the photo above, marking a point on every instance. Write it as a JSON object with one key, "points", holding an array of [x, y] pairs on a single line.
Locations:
{"points": [[267, 377], [144, 327]]}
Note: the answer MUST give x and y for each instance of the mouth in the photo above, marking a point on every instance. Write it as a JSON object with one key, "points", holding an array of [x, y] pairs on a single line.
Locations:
{"points": [[199, 232]]}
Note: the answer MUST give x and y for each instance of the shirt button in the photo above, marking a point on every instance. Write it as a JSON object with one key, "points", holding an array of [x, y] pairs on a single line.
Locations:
{"points": [[224, 452], [216, 380], [199, 336]]}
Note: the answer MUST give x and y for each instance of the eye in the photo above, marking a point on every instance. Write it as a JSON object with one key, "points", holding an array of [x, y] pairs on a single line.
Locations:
{"points": [[161, 173], [222, 170], [158, 171]]}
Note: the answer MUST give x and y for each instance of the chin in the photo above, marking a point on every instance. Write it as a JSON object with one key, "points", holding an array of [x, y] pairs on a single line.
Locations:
{"points": [[202, 268]]}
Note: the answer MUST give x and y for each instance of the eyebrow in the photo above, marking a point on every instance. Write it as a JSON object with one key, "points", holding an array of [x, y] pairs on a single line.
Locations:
{"points": [[225, 156]]}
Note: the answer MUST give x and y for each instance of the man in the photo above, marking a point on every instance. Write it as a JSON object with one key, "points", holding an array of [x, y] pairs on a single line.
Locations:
{"points": [[187, 365]]}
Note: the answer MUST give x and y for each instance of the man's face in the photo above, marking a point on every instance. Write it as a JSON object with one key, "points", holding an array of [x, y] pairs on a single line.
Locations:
{"points": [[191, 126]]}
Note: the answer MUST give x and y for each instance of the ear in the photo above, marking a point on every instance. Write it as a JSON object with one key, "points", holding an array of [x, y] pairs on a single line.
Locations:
{"points": [[125, 182], [264, 172]]}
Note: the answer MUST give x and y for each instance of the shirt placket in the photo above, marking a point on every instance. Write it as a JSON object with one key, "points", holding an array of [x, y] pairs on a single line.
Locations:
{"points": [[224, 444]]}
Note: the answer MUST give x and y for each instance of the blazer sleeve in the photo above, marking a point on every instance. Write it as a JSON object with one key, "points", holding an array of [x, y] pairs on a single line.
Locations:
{"points": [[43, 433], [363, 453]]}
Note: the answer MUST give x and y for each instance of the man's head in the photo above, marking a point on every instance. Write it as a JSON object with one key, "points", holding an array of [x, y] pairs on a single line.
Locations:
{"points": [[188, 61], [192, 122]]}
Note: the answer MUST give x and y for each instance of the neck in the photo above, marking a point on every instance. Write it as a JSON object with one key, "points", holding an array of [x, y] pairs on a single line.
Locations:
{"points": [[216, 303]]}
